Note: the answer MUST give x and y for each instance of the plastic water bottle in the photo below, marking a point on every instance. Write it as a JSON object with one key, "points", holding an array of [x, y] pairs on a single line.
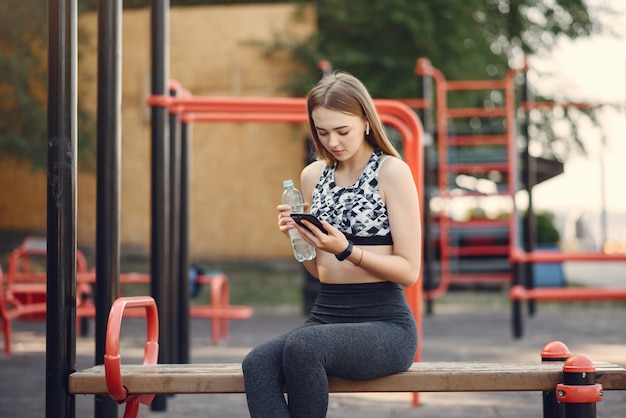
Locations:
{"points": [[302, 250]]}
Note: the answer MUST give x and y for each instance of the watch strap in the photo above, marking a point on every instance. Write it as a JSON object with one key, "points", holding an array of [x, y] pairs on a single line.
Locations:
{"points": [[346, 253]]}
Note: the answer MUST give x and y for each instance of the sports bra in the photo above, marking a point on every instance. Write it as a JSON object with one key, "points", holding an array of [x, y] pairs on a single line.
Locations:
{"points": [[357, 210]]}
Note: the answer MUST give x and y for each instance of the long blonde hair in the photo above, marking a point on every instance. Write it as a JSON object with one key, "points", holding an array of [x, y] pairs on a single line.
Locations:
{"points": [[344, 93]]}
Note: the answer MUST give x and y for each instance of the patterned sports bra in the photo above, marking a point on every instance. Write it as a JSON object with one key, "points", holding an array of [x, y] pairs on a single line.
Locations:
{"points": [[357, 210]]}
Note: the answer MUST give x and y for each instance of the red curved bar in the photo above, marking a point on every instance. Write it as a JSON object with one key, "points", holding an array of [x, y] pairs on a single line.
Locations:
{"points": [[112, 359], [293, 110]]}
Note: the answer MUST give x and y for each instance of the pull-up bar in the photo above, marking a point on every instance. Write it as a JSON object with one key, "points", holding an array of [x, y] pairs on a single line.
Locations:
{"points": [[191, 109]]}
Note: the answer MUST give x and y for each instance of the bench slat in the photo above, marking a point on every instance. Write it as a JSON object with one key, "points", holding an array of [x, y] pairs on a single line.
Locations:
{"points": [[421, 377]]}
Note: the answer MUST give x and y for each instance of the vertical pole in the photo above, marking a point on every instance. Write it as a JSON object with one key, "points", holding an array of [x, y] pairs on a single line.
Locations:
{"points": [[579, 391], [108, 180], [530, 179], [553, 351], [159, 254], [61, 208], [183, 259], [516, 304], [425, 92], [174, 225]]}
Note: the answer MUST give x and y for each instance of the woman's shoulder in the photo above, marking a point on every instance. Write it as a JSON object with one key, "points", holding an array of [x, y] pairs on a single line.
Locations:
{"points": [[394, 173], [314, 169], [311, 174], [393, 166]]}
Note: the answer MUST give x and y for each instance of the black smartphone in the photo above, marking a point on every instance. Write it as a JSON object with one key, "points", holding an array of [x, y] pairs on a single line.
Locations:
{"points": [[298, 217]]}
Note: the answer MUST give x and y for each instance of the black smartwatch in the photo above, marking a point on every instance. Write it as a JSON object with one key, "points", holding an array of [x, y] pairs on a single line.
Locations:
{"points": [[346, 253]]}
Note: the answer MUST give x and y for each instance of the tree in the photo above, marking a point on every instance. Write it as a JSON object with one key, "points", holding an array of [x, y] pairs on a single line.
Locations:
{"points": [[471, 39], [378, 41], [23, 86]]}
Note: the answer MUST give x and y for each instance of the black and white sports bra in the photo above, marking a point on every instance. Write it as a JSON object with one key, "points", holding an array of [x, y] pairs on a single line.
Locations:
{"points": [[357, 210]]}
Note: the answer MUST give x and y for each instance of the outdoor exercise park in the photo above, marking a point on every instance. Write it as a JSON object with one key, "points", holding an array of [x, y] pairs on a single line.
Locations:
{"points": [[502, 330]]}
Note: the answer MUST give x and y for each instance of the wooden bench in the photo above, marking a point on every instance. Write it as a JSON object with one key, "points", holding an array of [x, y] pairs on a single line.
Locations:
{"points": [[139, 383], [421, 377]]}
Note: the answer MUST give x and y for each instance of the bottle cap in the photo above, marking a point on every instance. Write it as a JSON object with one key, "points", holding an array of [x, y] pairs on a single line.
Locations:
{"points": [[287, 184]]}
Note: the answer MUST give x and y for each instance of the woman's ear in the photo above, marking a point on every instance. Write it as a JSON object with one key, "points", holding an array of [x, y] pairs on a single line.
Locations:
{"points": [[367, 128]]}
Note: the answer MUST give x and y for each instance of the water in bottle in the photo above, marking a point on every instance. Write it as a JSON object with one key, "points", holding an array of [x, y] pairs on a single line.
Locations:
{"points": [[302, 250]]}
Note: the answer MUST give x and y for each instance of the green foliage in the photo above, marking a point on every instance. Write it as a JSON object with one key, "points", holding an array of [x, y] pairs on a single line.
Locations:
{"points": [[471, 39], [545, 231], [23, 86], [378, 41]]}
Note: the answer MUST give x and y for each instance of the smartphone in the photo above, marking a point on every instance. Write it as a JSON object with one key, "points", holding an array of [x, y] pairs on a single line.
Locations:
{"points": [[298, 217]]}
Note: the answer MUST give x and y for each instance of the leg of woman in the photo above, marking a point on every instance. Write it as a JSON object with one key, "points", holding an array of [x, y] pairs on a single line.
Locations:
{"points": [[355, 351], [263, 380]]}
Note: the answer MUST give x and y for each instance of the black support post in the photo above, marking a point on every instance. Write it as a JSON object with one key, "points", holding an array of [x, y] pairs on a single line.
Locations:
{"points": [[108, 181], [183, 258], [61, 208], [174, 226], [159, 253], [530, 179], [427, 117]]}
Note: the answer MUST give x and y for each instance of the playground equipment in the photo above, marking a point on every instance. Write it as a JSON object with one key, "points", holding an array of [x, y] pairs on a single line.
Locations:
{"points": [[571, 382], [61, 226], [61, 231], [495, 162], [23, 293], [494, 241]]}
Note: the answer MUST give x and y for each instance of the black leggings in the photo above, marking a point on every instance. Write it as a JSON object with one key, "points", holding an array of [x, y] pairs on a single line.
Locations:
{"points": [[355, 331]]}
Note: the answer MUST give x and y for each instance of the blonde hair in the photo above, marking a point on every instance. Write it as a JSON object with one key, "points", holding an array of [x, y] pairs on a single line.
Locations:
{"points": [[344, 93]]}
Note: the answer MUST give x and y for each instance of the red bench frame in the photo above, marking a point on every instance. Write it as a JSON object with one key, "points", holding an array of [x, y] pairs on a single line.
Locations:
{"points": [[23, 293]]}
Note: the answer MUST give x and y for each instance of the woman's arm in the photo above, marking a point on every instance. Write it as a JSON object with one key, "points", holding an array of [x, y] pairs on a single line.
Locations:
{"points": [[398, 189], [403, 264]]}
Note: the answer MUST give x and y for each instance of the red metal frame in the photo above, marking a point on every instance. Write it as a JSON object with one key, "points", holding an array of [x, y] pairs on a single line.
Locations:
{"points": [[112, 358], [443, 115], [293, 110]]}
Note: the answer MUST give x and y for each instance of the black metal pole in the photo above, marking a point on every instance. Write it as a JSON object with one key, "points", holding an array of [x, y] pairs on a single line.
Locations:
{"points": [[426, 115], [183, 259], [159, 254], [61, 208], [553, 351], [579, 391], [108, 181], [517, 317], [530, 179], [174, 227]]}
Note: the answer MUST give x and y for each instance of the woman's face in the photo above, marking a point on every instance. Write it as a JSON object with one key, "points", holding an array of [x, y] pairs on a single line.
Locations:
{"points": [[341, 134]]}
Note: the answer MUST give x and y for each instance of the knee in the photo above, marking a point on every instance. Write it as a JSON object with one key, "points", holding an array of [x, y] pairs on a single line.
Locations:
{"points": [[252, 362], [299, 349]]}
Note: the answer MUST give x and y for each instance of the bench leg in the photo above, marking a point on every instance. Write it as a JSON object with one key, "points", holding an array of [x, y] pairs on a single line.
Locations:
{"points": [[6, 330], [217, 284]]}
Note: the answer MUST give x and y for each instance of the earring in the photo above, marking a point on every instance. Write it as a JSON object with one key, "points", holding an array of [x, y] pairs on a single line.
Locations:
{"points": [[367, 128]]}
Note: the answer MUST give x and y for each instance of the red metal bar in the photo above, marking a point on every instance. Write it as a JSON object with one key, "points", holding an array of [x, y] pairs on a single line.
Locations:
{"points": [[567, 294], [465, 85], [112, 358], [476, 112], [520, 256], [293, 110], [473, 140]]}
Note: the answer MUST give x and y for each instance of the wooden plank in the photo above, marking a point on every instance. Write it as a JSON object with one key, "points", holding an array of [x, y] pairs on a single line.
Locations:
{"points": [[421, 377]]}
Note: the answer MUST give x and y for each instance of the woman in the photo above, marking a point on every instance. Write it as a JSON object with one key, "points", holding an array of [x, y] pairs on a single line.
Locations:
{"points": [[360, 326]]}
